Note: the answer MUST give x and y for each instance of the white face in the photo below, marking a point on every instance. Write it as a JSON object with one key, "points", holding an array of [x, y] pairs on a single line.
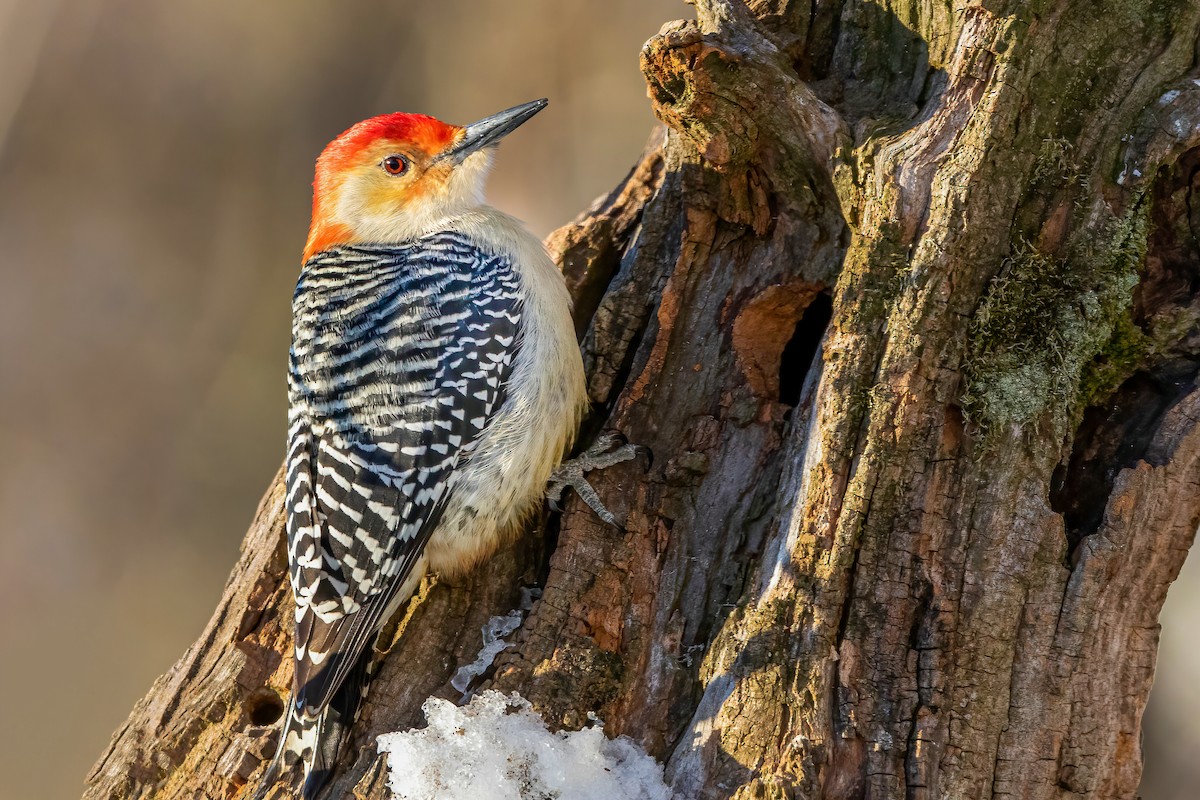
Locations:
{"points": [[397, 193]]}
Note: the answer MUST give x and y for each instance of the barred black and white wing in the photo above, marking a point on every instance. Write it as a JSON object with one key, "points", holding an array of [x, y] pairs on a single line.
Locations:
{"points": [[400, 358]]}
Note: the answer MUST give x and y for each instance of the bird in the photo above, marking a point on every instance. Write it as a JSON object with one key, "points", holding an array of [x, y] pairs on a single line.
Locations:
{"points": [[434, 385]]}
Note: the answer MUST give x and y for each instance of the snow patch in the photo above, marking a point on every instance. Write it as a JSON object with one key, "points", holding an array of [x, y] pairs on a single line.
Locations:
{"points": [[493, 643], [497, 748]]}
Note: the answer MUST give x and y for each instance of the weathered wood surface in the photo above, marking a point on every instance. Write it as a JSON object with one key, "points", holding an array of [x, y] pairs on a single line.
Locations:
{"points": [[927, 562]]}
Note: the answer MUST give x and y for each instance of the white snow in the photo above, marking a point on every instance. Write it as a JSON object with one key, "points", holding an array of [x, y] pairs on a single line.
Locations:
{"points": [[493, 642], [497, 748]]}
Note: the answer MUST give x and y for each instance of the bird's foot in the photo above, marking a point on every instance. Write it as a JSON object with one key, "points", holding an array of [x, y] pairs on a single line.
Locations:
{"points": [[607, 450]]}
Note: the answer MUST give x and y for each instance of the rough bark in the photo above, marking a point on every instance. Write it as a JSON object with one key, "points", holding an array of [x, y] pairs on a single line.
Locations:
{"points": [[905, 301]]}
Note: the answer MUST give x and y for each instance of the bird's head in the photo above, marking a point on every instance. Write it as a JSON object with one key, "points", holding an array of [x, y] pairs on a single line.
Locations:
{"points": [[393, 177]]}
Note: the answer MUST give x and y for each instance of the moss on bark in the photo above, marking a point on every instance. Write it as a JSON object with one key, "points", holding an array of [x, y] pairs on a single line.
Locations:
{"points": [[1053, 333]]}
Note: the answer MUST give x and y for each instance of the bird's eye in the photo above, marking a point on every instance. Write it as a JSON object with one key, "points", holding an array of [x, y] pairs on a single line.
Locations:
{"points": [[395, 165]]}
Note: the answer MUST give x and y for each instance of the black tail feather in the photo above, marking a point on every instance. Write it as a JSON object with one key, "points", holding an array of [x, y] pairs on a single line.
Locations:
{"points": [[336, 723], [317, 741]]}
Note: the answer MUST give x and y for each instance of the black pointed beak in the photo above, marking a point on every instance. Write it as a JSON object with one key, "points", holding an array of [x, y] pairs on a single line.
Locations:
{"points": [[490, 130]]}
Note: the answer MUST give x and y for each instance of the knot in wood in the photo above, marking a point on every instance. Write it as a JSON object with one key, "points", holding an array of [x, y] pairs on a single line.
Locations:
{"points": [[696, 84]]}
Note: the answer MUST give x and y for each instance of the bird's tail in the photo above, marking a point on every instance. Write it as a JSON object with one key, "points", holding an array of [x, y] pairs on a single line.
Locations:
{"points": [[315, 739], [296, 741]]}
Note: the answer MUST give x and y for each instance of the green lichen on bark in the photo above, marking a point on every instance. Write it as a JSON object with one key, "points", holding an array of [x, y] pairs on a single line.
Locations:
{"points": [[1055, 165], [1054, 333], [1120, 357]]}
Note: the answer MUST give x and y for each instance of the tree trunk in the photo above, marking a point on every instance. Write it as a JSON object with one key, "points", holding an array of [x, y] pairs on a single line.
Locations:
{"points": [[905, 302]]}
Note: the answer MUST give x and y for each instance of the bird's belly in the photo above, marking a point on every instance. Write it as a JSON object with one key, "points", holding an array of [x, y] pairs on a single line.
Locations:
{"points": [[501, 484], [466, 536]]}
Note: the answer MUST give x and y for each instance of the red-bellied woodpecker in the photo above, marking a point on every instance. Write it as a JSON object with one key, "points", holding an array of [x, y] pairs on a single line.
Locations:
{"points": [[434, 385]]}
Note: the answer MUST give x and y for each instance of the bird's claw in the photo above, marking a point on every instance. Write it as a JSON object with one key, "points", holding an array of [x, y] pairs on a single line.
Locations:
{"points": [[608, 449]]}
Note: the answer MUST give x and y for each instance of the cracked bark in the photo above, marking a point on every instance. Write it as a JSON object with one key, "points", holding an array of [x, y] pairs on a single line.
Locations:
{"points": [[936, 572]]}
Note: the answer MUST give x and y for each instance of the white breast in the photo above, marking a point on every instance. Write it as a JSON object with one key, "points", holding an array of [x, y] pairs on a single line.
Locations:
{"points": [[506, 476]]}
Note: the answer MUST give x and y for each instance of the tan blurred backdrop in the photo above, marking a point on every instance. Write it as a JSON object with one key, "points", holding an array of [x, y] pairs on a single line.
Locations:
{"points": [[155, 162]]}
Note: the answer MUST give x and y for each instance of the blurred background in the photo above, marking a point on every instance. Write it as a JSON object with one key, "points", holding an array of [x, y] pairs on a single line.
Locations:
{"points": [[155, 186], [155, 169]]}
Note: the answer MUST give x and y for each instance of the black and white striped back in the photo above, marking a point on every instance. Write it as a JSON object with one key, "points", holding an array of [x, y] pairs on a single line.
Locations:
{"points": [[400, 357]]}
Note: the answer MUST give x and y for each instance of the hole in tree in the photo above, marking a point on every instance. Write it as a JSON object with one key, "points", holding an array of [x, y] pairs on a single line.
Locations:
{"points": [[264, 707], [800, 350], [1117, 431], [775, 336], [1112, 436]]}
